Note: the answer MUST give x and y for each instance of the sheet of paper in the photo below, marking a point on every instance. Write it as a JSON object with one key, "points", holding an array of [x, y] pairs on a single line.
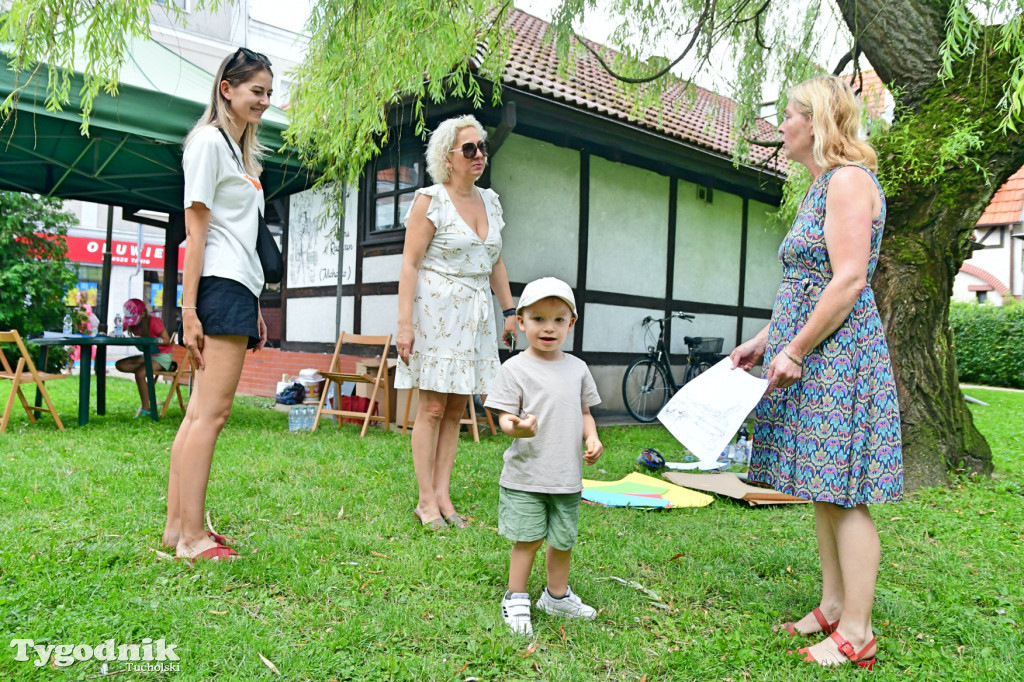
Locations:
{"points": [[705, 413], [690, 466]]}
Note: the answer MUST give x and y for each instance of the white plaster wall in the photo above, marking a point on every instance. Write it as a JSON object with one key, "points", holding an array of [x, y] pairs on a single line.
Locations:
{"points": [[539, 186], [1003, 262], [704, 325], [995, 259], [615, 328], [313, 319], [752, 326], [609, 387], [708, 237], [379, 314], [628, 231], [764, 270], [1017, 246], [382, 268], [962, 293]]}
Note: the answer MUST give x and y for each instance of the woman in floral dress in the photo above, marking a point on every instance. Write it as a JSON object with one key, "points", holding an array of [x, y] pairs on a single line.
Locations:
{"points": [[828, 428], [446, 329]]}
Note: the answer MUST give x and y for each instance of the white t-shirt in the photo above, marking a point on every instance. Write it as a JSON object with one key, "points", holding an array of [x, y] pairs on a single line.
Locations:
{"points": [[214, 179], [555, 392]]}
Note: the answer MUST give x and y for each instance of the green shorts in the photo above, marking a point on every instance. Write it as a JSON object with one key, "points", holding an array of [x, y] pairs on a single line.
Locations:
{"points": [[525, 517]]}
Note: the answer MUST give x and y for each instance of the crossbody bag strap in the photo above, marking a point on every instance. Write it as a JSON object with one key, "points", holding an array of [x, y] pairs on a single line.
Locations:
{"points": [[231, 148]]}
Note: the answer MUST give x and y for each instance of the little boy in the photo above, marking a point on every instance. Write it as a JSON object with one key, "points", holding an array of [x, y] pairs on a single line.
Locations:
{"points": [[544, 397]]}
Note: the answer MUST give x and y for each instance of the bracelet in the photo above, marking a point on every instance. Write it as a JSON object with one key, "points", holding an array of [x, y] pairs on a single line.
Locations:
{"points": [[508, 312], [188, 307], [798, 363]]}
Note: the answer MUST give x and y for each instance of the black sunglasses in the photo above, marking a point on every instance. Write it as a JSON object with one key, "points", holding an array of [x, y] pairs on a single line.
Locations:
{"points": [[251, 56], [469, 149]]}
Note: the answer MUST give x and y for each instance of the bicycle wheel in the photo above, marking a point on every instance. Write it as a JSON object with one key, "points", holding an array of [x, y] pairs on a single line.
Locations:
{"points": [[694, 370], [645, 389]]}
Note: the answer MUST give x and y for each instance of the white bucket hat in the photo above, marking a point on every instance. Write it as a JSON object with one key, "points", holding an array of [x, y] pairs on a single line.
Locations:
{"points": [[544, 288]]}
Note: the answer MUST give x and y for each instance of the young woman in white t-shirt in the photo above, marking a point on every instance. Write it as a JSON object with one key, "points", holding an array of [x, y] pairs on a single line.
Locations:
{"points": [[222, 282]]}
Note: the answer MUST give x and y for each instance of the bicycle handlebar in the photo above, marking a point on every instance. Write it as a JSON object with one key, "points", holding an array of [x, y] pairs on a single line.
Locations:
{"points": [[682, 316]]}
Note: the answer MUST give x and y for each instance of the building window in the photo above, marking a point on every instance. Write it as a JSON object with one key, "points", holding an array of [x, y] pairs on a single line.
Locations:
{"points": [[393, 179]]}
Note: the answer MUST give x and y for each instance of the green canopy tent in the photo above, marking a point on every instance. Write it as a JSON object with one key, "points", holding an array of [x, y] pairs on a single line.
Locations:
{"points": [[131, 156]]}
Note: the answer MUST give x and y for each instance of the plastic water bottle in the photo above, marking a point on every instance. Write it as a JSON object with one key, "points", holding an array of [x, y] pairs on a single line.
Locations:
{"points": [[118, 331], [67, 324], [293, 417]]}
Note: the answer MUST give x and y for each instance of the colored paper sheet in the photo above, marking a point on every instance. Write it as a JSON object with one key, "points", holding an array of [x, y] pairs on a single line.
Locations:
{"points": [[642, 488]]}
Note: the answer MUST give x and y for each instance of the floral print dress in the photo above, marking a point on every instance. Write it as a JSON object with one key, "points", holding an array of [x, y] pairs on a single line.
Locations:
{"points": [[834, 436], [455, 348]]}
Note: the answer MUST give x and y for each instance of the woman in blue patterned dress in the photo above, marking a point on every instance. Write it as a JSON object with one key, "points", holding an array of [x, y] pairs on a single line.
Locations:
{"points": [[828, 428]]}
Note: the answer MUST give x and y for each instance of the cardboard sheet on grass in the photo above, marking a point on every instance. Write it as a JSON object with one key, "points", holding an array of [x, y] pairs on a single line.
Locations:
{"points": [[637, 490], [725, 483]]}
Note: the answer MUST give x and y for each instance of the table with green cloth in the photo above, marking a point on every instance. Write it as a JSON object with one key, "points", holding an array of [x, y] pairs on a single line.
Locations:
{"points": [[146, 343]]}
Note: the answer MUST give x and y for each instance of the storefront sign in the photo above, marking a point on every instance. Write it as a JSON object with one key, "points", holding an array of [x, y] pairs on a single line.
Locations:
{"points": [[90, 250]]}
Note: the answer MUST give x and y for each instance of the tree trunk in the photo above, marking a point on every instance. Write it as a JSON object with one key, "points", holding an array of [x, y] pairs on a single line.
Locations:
{"points": [[926, 241]]}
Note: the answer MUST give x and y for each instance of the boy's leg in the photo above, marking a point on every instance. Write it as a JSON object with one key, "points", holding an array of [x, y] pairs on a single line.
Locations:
{"points": [[520, 515], [563, 524], [520, 565], [557, 561]]}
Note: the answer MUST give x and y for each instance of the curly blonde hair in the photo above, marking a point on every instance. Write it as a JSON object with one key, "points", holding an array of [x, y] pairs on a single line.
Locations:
{"points": [[440, 143], [835, 114]]}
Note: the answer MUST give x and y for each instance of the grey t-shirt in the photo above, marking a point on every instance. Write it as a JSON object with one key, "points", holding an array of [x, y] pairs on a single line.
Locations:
{"points": [[554, 392]]}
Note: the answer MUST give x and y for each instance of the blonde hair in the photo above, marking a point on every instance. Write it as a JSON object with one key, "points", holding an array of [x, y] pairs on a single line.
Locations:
{"points": [[835, 114], [441, 141], [237, 68]]}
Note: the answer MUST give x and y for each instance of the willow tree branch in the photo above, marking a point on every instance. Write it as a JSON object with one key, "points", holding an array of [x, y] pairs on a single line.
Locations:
{"points": [[647, 79]]}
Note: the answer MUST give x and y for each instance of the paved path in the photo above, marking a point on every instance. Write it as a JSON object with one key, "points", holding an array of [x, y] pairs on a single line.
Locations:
{"points": [[991, 388]]}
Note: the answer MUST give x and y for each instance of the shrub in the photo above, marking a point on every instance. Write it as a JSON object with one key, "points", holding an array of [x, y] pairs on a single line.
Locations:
{"points": [[34, 273], [989, 343]]}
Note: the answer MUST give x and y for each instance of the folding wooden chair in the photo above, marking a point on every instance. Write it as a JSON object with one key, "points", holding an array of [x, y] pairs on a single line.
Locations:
{"points": [[180, 374], [379, 381], [19, 376], [472, 419]]}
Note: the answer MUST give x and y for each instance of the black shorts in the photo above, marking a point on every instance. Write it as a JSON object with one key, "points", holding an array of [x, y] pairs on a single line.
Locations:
{"points": [[227, 308]]}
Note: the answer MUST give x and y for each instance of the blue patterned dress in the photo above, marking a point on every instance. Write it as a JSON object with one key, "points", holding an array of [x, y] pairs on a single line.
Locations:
{"points": [[834, 436]]}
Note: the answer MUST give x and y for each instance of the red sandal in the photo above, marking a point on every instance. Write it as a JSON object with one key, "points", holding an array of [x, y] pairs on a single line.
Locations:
{"points": [[826, 627], [217, 537], [846, 649], [215, 553]]}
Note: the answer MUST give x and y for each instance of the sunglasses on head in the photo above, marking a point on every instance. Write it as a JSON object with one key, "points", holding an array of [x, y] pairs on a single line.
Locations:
{"points": [[469, 149], [251, 56]]}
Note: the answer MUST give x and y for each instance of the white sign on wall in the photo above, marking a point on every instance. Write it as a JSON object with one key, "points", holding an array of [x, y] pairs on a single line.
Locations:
{"points": [[313, 250]]}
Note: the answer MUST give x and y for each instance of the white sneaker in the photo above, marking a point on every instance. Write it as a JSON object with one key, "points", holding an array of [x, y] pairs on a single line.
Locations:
{"points": [[515, 610], [569, 606]]}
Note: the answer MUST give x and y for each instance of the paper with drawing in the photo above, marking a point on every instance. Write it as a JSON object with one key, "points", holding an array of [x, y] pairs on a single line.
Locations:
{"points": [[705, 413]]}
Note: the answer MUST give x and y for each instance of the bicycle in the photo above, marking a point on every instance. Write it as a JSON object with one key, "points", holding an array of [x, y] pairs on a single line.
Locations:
{"points": [[649, 382]]}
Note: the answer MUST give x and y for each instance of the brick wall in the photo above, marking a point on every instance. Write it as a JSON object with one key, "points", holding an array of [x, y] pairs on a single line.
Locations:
{"points": [[263, 370]]}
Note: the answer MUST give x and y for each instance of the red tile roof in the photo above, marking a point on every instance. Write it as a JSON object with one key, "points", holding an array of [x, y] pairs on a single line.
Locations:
{"points": [[872, 92], [1007, 203], [705, 120]]}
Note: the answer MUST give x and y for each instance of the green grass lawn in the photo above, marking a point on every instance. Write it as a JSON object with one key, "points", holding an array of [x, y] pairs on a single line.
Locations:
{"points": [[337, 581]]}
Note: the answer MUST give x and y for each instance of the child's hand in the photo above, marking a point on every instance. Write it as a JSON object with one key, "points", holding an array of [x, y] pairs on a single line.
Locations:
{"points": [[594, 450], [525, 427]]}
